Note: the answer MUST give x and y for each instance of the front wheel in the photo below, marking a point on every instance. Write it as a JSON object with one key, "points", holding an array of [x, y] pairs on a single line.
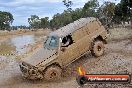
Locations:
{"points": [[53, 73], [97, 48]]}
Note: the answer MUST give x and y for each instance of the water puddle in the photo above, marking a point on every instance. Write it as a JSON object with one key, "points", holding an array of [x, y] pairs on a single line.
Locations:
{"points": [[21, 43], [17, 45]]}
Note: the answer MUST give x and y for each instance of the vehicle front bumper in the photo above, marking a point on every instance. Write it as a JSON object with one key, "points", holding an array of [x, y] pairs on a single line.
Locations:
{"points": [[29, 72]]}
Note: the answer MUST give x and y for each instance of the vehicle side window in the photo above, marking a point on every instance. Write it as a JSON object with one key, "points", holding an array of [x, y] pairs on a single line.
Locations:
{"points": [[66, 41]]}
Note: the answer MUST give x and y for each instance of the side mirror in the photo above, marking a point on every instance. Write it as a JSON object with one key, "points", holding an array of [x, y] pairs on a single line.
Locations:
{"points": [[63, 49]]}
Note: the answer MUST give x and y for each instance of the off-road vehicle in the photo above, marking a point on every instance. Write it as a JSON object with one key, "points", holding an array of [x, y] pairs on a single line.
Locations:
{"points": [[64, 46]]}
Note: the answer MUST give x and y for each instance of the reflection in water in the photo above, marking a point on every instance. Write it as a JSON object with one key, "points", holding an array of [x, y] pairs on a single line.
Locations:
{"points": [[18, 45], [20, 42]]}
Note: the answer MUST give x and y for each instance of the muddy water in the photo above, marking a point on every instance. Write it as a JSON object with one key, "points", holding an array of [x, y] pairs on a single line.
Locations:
{"points": [[17, 45], [21, 42]]}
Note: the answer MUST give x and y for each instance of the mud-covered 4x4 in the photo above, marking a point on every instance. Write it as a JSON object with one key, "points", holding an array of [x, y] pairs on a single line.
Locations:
{"points": [[64, 46]]}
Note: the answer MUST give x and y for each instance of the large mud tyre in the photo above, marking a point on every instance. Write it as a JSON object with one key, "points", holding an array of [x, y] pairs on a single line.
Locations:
{"points": [[97, 48], [53, 73]]}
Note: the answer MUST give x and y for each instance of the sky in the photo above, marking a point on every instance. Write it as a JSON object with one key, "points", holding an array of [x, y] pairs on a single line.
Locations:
{"points": [[23, 9]]}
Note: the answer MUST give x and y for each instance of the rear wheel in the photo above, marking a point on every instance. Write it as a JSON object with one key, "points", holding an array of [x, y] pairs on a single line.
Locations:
{"points": [[53, 73], [98, 48]]}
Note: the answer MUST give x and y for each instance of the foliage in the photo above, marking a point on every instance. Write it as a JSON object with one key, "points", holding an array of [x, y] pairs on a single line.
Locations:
{"points": [[68, 4], [70, 15], [34, 21], [45, 22], [123, 11], [60, 20], [76, 14], [108, 13], [6, 20], [90, 8]]}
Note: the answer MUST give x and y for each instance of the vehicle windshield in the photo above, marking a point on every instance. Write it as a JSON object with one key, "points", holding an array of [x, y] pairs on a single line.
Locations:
{"points": [[52, 42]]}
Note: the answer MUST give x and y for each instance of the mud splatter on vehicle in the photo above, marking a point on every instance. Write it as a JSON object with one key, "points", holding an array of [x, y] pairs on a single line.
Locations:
{"points": [[64, 46]]}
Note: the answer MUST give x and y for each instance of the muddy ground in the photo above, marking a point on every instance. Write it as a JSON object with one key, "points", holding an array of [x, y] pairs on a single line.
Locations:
{"points": [[116, 60]]}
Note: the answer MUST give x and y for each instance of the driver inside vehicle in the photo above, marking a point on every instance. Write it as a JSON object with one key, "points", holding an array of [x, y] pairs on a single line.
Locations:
{"points": [[67, 41]]}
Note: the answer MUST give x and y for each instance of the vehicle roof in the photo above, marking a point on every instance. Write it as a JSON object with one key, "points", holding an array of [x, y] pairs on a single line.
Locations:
{"points": [[63, 31]]}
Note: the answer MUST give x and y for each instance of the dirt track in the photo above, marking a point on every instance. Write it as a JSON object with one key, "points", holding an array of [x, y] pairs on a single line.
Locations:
{"points": [[117, 59]]}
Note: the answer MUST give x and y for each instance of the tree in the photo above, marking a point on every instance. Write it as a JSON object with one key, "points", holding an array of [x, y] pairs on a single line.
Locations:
{"points": [[67, 17], [89, 9], [60, 20], [76, 14], [126, 6], [6, 20], [34, 22], [45, 22], [68, 4], [106, 13], [123, 11], [55, 22]]}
